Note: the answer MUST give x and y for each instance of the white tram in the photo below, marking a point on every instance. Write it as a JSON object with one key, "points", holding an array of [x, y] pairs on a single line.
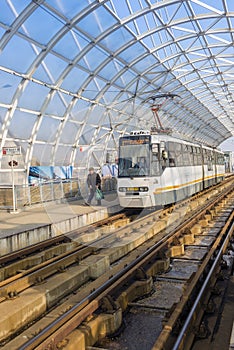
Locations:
{"points": [[158, 169]]}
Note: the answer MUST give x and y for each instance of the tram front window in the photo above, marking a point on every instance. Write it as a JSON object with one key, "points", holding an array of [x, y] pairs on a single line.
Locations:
{"points": [[134, 159]]}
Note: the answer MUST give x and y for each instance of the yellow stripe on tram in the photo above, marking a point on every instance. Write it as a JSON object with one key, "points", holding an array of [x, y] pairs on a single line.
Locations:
{"points": [[167, 188]]}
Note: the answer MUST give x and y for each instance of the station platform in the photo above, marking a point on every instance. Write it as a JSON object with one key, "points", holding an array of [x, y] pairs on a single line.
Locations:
{"points": [[46, 220]]}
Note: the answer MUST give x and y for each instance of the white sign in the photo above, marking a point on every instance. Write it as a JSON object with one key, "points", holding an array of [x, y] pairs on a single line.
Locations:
{"points": [[11, 151]]}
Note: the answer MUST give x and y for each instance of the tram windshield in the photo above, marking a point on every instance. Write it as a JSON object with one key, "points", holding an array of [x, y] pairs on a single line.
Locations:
{"points": [[134, 156]]}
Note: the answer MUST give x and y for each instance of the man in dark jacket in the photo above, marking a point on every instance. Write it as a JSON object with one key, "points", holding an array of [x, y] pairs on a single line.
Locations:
{"points": [[93, 182]]}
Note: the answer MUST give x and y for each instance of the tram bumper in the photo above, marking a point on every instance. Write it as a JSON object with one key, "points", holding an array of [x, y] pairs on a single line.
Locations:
{"points": [[140, 201]]}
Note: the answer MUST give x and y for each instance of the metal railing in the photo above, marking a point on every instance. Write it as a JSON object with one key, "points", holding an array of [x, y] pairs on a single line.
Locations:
{"points": [[54, 190], [27, 195]]}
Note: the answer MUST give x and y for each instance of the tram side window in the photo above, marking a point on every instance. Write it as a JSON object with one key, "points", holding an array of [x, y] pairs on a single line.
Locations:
{"points": [[210, 160], [194, 155], [205, 157], [175, 154], [216, 155], [171, 154], [191, 156], [155, 164], [197, 156], [185, 155], [220, 159]]}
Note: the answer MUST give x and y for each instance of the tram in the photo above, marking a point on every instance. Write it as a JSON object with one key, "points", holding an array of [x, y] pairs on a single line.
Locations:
{"points": [[157, 169]]}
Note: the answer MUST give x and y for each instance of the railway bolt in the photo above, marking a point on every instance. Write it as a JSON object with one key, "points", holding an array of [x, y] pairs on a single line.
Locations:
{"points": [[108, 304], [62, 344], [61, 268], [12, 294], [141, 275], [215, 291], [177, 327], [202, 331], [221, 276], [210, 307], [39, 280], [223, 264]]}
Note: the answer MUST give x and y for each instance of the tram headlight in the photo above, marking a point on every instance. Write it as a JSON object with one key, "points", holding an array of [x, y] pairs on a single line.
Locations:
{"points": [[144, 189], [122, 189]]}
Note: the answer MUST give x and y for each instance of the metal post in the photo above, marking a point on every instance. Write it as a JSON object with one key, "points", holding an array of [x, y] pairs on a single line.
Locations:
{"points": [[13, 184], [61, 187]]}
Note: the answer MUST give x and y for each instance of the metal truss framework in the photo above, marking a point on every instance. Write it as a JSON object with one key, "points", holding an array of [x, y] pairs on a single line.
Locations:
{"points": [[75, 75]]}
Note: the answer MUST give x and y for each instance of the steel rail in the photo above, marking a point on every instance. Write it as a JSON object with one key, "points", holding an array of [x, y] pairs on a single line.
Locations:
{"points": [[67, 237], [25, 279], [200, 295], [41, 341]]}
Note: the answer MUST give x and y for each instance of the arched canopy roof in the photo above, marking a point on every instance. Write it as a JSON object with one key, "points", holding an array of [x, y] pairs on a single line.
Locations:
{"points": [[79, 73]]}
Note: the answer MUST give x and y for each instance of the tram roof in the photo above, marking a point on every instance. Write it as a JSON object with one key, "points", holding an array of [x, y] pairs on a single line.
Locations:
{"points": [[76, 75]]}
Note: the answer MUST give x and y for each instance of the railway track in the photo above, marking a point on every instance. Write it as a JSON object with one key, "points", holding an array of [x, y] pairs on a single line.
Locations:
{"points": [[53, 255], [136, 252], [63, 238]]}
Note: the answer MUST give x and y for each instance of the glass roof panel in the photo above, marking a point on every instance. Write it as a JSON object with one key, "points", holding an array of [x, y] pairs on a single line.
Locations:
{"points": [[18, 6], [144, 63], [73, 71], [17, 127], [125, 78], [71, 44], [97, 22], [132, 52], [17, 55], [48, 129], [68, 8], [117, 39], [120, 7], [41, 33], [3, 112], [37, 93], [73, 81], [109, 95], [42, 154], [111, 69], [6, 14], [8, 85], [69, 133], [57, 105], [95, 57], [52, 66]]}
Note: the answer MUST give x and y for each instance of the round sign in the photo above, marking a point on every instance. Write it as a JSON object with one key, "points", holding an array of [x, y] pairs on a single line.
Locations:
{"points": [[13, 163]]}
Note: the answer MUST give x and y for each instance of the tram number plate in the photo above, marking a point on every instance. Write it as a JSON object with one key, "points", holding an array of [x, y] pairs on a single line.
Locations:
{"points": [[132, 189]]}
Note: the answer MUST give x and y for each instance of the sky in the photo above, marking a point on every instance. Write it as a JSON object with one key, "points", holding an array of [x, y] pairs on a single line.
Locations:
{"points": [[228, 145]]}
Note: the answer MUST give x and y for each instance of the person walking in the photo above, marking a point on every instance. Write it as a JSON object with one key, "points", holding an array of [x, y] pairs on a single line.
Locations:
{"points": [[93, 182], [114, 171], [107, 177]]}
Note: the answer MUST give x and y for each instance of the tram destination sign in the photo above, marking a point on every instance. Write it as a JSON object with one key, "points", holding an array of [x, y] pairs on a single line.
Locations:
{"points": [[136, 140], [11, 151]]}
